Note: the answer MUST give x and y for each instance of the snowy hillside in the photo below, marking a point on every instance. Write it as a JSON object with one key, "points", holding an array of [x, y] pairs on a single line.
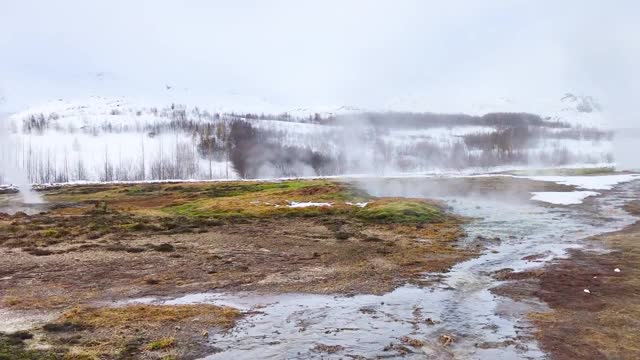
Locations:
{"points": [[105, 139]]}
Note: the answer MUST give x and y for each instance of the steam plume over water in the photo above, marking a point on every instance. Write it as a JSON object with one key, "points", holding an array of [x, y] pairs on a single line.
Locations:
{"points": [[11, 171]]}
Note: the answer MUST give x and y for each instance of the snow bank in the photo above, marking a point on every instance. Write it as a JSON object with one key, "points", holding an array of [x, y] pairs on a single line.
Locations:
{"points": [[8, 189], [563, 198], [605, 182]]}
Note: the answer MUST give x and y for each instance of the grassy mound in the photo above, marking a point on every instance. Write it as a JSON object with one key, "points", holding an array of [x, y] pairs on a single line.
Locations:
{"points": [[402, 211]]}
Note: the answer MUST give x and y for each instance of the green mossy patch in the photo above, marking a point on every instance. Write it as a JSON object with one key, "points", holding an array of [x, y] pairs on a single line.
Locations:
{"points": [[161, 344], [402, 212]]}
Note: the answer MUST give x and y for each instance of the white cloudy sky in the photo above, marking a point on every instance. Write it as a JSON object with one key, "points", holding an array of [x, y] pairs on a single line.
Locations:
{"points": [[308, 53]]}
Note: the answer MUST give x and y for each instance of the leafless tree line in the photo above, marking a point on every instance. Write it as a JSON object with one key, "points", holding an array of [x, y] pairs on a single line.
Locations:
{"points": [[251, 152]]}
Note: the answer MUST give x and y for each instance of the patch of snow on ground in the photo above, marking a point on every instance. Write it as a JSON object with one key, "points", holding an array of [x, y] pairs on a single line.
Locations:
{"points": [[359, 204], [295, 204], [8, 188], [563, 198], [606, 182]]}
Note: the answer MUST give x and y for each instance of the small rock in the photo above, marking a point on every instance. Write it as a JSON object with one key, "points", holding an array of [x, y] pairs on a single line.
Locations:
{"points": [[177, 327], [587, 291], [446, 340], [152, 281], [415, 343], [616, 270], [205, 334]]}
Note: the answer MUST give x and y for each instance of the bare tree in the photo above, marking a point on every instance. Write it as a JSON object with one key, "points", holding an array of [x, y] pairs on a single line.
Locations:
{"points": [[142, 174]]}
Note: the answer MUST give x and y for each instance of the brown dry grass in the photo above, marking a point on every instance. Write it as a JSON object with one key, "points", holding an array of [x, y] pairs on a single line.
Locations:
{"points": [[150, 315], [138, 331], [606, 323]]}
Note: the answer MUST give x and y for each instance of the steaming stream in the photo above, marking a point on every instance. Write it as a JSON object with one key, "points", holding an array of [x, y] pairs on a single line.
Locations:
{"points": [[13, 203], [485, 326]]}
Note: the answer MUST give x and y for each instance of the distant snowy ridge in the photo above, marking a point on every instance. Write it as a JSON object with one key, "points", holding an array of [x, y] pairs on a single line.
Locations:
{"points": [[581, 110], [578, 110], [325, 111]]}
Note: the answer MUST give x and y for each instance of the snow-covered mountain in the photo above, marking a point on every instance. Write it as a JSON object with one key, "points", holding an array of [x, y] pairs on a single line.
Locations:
{"points": [[578, 110]]}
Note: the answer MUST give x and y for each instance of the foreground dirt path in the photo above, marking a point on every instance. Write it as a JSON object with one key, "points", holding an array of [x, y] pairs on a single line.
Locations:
{"points": [[594, 298]]}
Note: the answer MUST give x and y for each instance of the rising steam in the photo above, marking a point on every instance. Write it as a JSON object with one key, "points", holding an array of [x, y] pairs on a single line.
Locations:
{"points": [[11, 171]]}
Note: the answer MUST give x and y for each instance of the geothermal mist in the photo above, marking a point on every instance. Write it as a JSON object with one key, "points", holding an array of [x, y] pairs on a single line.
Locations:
{"points": [[11, 171], [625, 148]]}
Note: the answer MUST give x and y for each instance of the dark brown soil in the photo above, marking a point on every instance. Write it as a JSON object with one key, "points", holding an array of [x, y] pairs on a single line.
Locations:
{"points": [[302, 255], [601, 324]]}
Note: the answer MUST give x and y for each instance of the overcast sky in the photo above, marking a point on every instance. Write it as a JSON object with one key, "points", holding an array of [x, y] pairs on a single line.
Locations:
{"points": [[308, 53]]}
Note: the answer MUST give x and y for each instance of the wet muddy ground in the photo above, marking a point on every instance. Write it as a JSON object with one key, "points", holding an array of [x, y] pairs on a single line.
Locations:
{"points": [[258, 280], [592, 295], [100, 244]]}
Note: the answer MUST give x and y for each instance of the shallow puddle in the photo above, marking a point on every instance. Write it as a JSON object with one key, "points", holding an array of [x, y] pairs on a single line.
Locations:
{"points": [[13, 203]]}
